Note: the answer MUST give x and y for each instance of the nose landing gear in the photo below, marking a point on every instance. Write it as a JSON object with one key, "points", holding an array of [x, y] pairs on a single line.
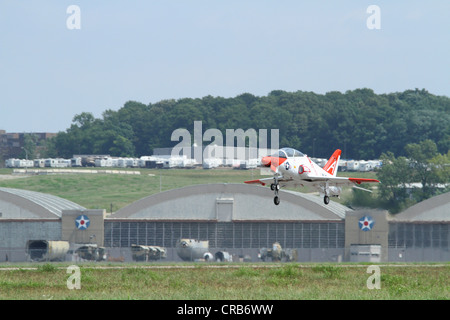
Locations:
{"points": [[276, 200], [275, 187]]}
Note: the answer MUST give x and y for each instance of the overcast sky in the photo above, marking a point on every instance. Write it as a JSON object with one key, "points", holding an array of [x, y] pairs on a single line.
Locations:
{"points": [[151, 50]]}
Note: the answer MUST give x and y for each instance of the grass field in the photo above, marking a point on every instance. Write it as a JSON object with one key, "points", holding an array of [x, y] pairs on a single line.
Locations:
{"points": [[227, 282], [101, 191]]}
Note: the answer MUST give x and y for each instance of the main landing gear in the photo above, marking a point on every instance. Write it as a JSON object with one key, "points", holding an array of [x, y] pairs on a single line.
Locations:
{"points": [[275, 187], [326, 191]]}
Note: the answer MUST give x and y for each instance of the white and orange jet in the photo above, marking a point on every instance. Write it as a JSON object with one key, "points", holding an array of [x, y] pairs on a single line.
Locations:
{"points": [[293, 168]]}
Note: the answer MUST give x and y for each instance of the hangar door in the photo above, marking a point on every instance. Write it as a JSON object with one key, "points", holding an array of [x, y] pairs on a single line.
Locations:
{"points": [[224, 209]]}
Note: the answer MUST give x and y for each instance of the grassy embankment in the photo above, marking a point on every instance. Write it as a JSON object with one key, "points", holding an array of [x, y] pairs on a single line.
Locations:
{"points": [[100, 191]]}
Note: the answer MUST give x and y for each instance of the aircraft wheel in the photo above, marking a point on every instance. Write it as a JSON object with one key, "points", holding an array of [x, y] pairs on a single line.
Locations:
{"points": [[326, 199], [276, 200], [272, 187]]}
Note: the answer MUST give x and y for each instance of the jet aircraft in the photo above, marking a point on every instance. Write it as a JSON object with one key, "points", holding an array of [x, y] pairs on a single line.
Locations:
{"points": [[293, 168]]}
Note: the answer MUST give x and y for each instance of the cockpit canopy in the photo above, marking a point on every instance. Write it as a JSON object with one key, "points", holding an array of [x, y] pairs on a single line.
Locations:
{"points": [[288, 153]]}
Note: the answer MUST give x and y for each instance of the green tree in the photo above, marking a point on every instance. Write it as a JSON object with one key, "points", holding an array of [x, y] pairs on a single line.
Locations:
{"points": [[361, 123], [440, 164], [395, 175], [122, 147], [30, 142], [420, 155], [83, 120], [424, 165]]}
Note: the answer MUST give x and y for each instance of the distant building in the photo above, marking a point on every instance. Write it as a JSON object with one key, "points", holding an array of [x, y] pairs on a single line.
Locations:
{"points": [[11, 143]]}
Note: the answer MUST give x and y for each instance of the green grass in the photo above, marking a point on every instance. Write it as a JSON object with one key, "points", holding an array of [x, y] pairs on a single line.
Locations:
{"points": [[236, 282], [101, 191]]}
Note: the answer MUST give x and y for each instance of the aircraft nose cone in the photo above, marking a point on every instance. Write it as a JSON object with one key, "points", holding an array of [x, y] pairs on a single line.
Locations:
{"points": [[265, 161], [272, 162]]}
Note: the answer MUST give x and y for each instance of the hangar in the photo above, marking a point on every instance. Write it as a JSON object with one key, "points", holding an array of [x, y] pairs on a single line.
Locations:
{"points": [[29, 215], [236, 218], [241, 219], [421, 232]]}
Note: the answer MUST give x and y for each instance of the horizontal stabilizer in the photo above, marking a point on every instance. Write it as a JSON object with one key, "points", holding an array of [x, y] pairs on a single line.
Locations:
{"points": [[359, 188]]}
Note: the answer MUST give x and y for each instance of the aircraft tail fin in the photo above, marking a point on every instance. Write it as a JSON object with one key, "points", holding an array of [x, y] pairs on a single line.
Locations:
{"points": [[332, 164]]}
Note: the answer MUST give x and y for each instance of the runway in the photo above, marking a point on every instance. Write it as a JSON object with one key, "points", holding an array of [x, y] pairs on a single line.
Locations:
{"points": [[228, 266]]}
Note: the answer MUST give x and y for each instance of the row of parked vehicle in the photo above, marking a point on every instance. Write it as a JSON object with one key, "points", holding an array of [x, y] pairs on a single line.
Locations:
{"points": [[168, 162]]}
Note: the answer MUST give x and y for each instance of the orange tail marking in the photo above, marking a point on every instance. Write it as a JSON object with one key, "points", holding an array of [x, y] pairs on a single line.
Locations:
{"points": [[332, 163]]}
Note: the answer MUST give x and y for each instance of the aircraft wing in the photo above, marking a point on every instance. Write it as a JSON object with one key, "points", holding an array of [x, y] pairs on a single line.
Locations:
{"points": [[269, 180], [344, 181], [260, 181], [361, 180]]}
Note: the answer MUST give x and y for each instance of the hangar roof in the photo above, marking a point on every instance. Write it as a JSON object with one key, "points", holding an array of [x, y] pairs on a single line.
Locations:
{"points": [[230, 202], [435, 209], [24, 204]]}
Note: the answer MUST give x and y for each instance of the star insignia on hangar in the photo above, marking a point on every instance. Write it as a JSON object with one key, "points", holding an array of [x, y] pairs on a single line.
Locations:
{"points": [[366, 223], [82, 222]]}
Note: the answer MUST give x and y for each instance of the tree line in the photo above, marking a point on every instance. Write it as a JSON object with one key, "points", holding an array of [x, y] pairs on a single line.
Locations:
{"points": [[406, 180], [364, 125]]}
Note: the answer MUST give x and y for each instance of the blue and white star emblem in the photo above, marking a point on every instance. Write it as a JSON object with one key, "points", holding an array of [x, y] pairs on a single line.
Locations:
{"points": [[82, 222], [366, 223], [287, 165]]}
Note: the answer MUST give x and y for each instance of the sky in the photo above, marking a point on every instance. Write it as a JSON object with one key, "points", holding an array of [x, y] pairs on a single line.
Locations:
{"points": [[56, 62]]}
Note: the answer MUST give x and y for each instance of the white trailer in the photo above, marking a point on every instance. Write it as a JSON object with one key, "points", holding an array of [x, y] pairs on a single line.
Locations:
{"points": [[75, 162], [247, 164], [9, 163], [103, 162], [131, 163], [352, 165], [171, 163], [19, 163], [210, 163], [57, 163], [39, 163], [121, 163]]}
